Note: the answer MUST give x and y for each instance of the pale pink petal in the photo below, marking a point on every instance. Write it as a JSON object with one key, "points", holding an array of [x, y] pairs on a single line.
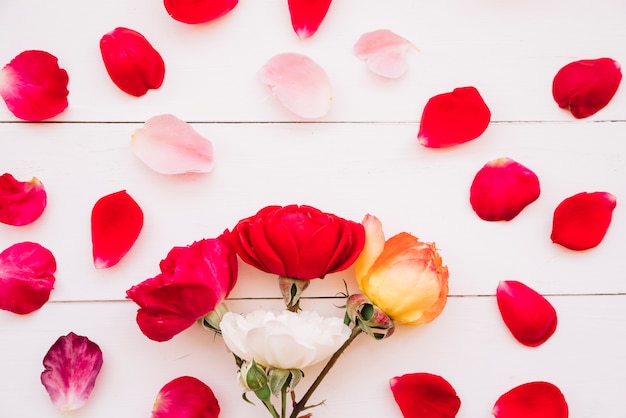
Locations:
{"points": [[169, 145], [299, 84], [186, 397], [21, 202], [384, 52], [71, 367], [307, 15], [532, 400]]}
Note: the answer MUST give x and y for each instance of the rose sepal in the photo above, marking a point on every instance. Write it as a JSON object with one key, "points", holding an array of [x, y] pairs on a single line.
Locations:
{"points": [[361, 312]]}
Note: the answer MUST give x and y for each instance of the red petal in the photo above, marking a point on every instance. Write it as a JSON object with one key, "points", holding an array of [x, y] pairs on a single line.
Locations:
{"points": [[307, 15], [424, 395], [21, 202], [72, 366], [186, 397], [132, 63], [198, 11], [581, 221], [528, 315], [33, 86], [26, 277], [584, 87], [453, 118], [502, 188], [534, 399], [116, 221]]}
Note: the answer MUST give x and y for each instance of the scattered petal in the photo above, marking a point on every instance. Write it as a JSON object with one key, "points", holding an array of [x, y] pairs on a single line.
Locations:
{"points": [[131, 61], [169, 145], [533, 399], [298, 83], [116, 220], [26, 277], [307, 15], [502, 189], [527, 314], [384, 52], [198, 11], [33, 86], [185, 397], [21, 202], [584, 87], [453, 118], [424, 395], [581, 221], [71, 367]]}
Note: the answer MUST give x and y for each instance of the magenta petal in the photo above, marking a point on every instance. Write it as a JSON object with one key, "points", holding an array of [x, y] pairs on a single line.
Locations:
{"points": [[425, 395], [186, 397], [198, 11], [307, 15], [71, 367], [33, 86], [453, 118], [21, 202], [26, 277], [532, 400], [384, 52], [527, 314]]}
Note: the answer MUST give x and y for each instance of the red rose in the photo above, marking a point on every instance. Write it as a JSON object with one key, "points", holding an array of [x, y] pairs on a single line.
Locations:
{"points": [[298, 242]]}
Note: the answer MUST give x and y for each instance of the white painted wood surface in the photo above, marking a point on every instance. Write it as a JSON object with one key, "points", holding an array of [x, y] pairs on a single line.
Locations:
{"points": [[362, 157]]}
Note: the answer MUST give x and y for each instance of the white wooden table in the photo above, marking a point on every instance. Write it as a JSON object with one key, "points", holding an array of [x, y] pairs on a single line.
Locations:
{"points": [[363, 157]]}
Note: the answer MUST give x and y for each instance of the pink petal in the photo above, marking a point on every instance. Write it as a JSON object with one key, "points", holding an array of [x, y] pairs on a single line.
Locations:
{"points": [[132, 63], [528, 315], [26, 277], [502, 189], [384, 52], [298, 83], [584, 87], [33, 86], [71, 367], [453, 118], [116, 220], [581, 221], [198, 11], [169, 145], [534, 399], [307, 15], [21, 202], [424, 395], [186, 397]]}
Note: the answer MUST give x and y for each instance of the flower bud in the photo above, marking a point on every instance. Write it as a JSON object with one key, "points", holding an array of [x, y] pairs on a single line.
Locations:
{"points": [[254, 378], [292, 289], [211, 321], [369, 317], [287, 379]]}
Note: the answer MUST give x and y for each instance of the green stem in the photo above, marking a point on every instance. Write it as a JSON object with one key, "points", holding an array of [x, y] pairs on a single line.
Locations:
{"points": [[271, 408], [283, 400]]}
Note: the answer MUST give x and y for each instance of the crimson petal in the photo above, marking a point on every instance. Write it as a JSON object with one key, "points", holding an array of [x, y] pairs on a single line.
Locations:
{"points": [[307, 15], [425, 395], [528, 315], [198, 11], [502, 189], [586, 86], [453, 118], [533, 399], [186, 397], [33, 86], [26, 277], [71, 367], [116, 221], [581, 221], [21, 202]]}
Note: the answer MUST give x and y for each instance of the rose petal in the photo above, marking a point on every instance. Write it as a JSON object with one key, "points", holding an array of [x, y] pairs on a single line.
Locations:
{"points": [[185, 397], [169, 145], [384, 52], [453, 118], [71, 367], [581, 221], [298, 83], [584, 87], [502, 189], [307, 15], [33, 86], [534, 399], [527, 314], [424, 395], [131, 61], [116, 220], [21, 202], [26, 277], [198, 11]]}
